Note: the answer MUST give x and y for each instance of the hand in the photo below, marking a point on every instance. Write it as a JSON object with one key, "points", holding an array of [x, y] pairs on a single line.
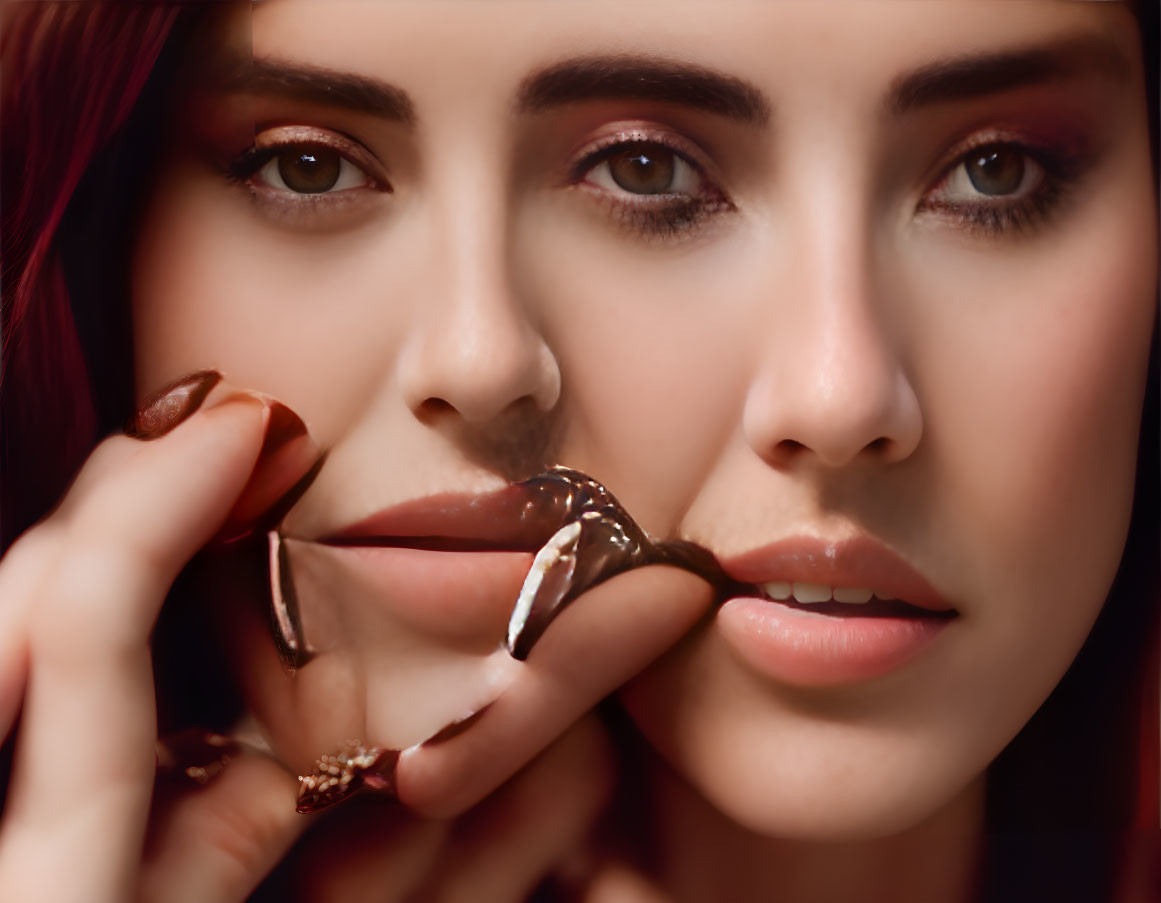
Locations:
{"points": [[497, 852], [79, 594], [603, 639]]}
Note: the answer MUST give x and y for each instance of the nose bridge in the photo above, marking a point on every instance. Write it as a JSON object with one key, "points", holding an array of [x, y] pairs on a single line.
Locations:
{"points": [[833, 385], [475, 349]]}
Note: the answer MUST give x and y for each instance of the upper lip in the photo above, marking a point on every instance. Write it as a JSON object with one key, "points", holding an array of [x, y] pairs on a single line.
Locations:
{"points": [[501, 520], [855, 562]]}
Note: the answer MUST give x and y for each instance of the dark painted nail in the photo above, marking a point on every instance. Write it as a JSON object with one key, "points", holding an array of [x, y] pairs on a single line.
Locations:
{"points": [[544, 589], [597, 540], [285, 623], [596, 546], [170, 405], [353, 769], [194, 756]]}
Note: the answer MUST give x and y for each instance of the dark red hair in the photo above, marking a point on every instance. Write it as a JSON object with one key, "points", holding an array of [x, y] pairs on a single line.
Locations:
{"points": [[72, 74]]}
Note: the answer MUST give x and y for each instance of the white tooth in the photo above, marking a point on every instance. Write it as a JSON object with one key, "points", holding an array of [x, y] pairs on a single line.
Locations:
{"points": [[852, 596], [883, 597], [777, 589], [811, 592]]}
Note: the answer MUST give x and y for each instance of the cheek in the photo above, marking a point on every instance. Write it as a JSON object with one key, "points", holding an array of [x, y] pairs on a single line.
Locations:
{"points": [[1033, 412], [306, 318]]}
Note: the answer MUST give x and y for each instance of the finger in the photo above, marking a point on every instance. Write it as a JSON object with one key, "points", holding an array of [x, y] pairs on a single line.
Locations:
{"points": [[603, 639], [496, 852], [21, 570], [615, 882], [219, 841], [85, 755], [503, 848], [372, 849]]}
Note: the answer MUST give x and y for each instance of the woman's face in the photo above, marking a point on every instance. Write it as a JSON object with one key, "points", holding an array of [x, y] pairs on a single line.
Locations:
{"points": [[855, 295]]}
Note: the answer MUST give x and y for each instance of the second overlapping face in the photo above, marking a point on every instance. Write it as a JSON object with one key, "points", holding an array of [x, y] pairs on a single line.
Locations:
{"points": [[845, 322]]}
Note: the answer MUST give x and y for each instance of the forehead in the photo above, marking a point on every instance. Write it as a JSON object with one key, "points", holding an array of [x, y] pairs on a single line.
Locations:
{"points": [[458, 53]]}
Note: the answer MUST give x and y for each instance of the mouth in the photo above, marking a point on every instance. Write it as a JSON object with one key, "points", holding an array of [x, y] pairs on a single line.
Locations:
{"points": [[580, 534], [816, 614]]}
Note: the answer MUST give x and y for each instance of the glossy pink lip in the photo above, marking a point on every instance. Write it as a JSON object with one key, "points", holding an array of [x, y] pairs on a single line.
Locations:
{"points": [[801, 647]]}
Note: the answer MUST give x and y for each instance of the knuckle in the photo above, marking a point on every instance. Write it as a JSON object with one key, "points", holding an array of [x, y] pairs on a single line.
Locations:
{"points": [[82, 603], [111, 456], [24, 566]]}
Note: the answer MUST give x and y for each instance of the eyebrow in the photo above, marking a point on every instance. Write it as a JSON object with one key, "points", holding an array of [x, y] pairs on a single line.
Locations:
{"points": [[978, 76], [347, 90], [642, 78]]}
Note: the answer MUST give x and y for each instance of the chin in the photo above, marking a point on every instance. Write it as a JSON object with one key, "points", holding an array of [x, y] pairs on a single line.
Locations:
{"points": [[794, 772], [824, 806]]}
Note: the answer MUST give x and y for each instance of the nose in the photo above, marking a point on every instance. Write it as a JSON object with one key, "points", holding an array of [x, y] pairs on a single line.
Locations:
{"points": [[475, 351], [831, 385]]}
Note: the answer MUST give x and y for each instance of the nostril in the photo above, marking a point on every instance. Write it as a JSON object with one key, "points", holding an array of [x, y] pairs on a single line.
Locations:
{"points": [[787, 450], [432, 409], [880, 445]]}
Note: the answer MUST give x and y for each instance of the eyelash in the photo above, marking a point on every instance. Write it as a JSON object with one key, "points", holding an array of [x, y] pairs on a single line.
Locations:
{"points": [[660, 216], [1060, 169]]}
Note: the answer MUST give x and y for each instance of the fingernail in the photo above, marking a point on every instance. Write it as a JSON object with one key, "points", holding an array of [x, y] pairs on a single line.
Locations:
{"points": [[286, 626], [287, 464], [194, 756], [544, 589], [599, 540], [352, 770], [583, 553], [170, 405]]}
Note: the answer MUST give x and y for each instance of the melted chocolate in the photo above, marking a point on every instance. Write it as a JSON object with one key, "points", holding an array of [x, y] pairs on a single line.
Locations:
{"points": [[597, 540]]}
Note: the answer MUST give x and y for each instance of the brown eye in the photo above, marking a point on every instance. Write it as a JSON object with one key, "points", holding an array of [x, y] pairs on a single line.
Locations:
{"points": [[995, 170], [644, 169], [309, 170], [992, 175], [306, 169]]}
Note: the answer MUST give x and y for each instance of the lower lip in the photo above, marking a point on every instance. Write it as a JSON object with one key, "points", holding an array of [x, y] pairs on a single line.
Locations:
{"points": [[465, 594], [808, 649]]}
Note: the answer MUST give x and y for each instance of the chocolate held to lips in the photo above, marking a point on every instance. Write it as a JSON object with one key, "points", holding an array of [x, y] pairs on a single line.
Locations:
{"points": [[597, 540], [587, 538]]}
